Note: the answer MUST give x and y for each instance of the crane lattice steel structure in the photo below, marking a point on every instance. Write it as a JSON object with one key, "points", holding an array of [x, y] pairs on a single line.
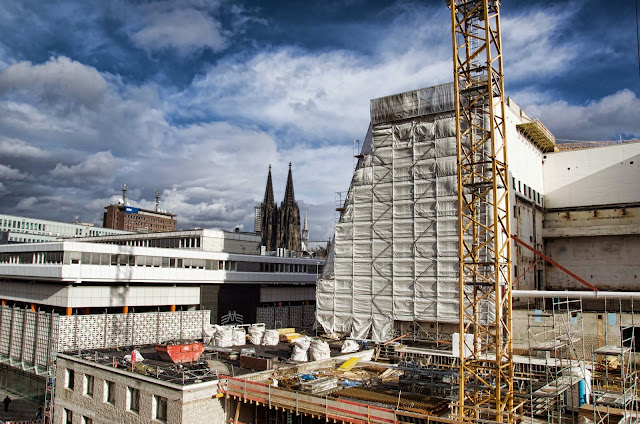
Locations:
{"points": [[486, 365]]}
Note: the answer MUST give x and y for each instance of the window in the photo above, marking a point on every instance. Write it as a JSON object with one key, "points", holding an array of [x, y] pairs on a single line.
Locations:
{"points": [[86, 420], [159, 408], [133, 399], [629, 335], [88, 385], [109, 392], [69, 376], [67, 416]]}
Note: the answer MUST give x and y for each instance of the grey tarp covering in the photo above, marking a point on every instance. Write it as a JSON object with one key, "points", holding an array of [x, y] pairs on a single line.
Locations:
{"points": [[395, 250]]}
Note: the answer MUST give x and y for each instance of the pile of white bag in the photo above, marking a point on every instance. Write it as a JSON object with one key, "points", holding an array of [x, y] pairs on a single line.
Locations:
{"points": [[239, 336], [208, 332], [319, 350], [223, 336], [256, 334], [271, 338], [300, 348]]}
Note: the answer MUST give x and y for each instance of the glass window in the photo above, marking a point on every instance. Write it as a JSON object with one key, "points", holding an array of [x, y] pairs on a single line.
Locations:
{"points": [[88, 385], [109, 392], [160, 408], [67, 416], [133, 399], [69, 378]]}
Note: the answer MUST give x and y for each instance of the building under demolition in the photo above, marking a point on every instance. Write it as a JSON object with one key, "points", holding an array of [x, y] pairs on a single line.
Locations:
{"points": [[394, 266]]}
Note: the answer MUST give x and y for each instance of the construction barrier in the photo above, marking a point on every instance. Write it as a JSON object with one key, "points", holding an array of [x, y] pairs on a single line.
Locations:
{"points": [[322, 407]]}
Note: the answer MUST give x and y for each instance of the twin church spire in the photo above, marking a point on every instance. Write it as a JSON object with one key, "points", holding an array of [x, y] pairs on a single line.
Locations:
{"points": [[280, 227]]}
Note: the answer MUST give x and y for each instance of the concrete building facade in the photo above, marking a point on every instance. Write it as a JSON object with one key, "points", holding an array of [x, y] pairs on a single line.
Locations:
{"points": [[88, 391], [22, 229]]}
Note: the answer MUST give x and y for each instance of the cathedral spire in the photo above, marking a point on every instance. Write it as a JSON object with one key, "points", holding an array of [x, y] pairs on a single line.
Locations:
{"points": [[288, 193], [268, 192]]}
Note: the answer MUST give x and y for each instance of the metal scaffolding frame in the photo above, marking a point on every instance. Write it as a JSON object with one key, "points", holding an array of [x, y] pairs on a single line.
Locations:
{"points": [[556, 340], [486, 386], [615, 387]]}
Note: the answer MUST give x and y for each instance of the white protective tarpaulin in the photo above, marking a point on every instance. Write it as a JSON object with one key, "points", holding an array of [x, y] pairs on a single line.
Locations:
{"points": [[395, 250]]}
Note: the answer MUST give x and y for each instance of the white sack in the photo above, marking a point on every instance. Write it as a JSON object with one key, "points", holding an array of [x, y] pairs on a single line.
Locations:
{"points": [[239, 337], [319, 350], [271, 338], [350, 346]]}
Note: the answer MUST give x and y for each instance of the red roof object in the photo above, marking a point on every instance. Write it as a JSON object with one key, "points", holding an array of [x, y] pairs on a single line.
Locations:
{"points": [[180, 353]]}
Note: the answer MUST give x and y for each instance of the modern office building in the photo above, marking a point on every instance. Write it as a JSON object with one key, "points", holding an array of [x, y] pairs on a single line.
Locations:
{"points": [[22, 229]]}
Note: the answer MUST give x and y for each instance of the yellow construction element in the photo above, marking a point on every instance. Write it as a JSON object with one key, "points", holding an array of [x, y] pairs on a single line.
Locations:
{"points": [[486, 385], [282, 331], [539, 135], [289, 337], [349, 364]]}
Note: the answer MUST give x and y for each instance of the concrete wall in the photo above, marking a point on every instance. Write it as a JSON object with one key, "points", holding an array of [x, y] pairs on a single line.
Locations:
{"points": [[595, 176], [194, 403], [527, 226], [607, 262], [525, 159]]}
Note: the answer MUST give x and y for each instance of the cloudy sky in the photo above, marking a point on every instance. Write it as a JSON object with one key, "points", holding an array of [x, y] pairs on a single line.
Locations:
{"points": [[198, 97]]}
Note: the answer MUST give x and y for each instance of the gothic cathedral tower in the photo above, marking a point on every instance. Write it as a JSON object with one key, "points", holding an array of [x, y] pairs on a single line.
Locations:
{"points": [[280, 227]]}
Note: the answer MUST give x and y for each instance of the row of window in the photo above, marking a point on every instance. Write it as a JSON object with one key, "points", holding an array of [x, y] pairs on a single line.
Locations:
{"points": [[26, 239], [528, 192], [8, 224], [167, 243], [132, 401], [23, 225], [93, 258]]}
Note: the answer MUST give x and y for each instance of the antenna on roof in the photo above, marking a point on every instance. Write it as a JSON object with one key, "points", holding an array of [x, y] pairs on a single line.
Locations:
{"points": [[157, 200], [124, 194]]}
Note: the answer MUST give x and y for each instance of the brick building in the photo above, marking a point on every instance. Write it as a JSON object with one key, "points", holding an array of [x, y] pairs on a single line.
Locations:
{"points": [[128, 218]]}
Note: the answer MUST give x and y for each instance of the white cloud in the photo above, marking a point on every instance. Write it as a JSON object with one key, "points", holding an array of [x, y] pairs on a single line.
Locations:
{"points": [[604, 119], [184, 29], [323, 95], [27, 204], [9, 173], [532, 48], [97, 168], [59, 79], [18, 148]]}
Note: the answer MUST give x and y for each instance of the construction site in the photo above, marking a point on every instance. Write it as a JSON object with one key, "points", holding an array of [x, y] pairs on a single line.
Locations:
{"points": [[488, 272], [480, 271]]}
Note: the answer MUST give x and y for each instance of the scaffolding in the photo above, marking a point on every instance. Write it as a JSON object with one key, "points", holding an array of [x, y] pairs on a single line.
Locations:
{"points": [[396, 244], [556, 338], [615, 389]]}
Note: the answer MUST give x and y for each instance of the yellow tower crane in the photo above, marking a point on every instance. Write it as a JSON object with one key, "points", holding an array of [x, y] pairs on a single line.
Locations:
{"points": [[486, 362]]}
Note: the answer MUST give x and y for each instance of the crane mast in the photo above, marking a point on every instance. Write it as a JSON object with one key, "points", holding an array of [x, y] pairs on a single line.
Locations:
{"points": [[486, 363]]}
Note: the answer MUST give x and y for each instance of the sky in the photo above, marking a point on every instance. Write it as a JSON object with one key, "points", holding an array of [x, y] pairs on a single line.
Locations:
{"points": [[197, 98]]}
